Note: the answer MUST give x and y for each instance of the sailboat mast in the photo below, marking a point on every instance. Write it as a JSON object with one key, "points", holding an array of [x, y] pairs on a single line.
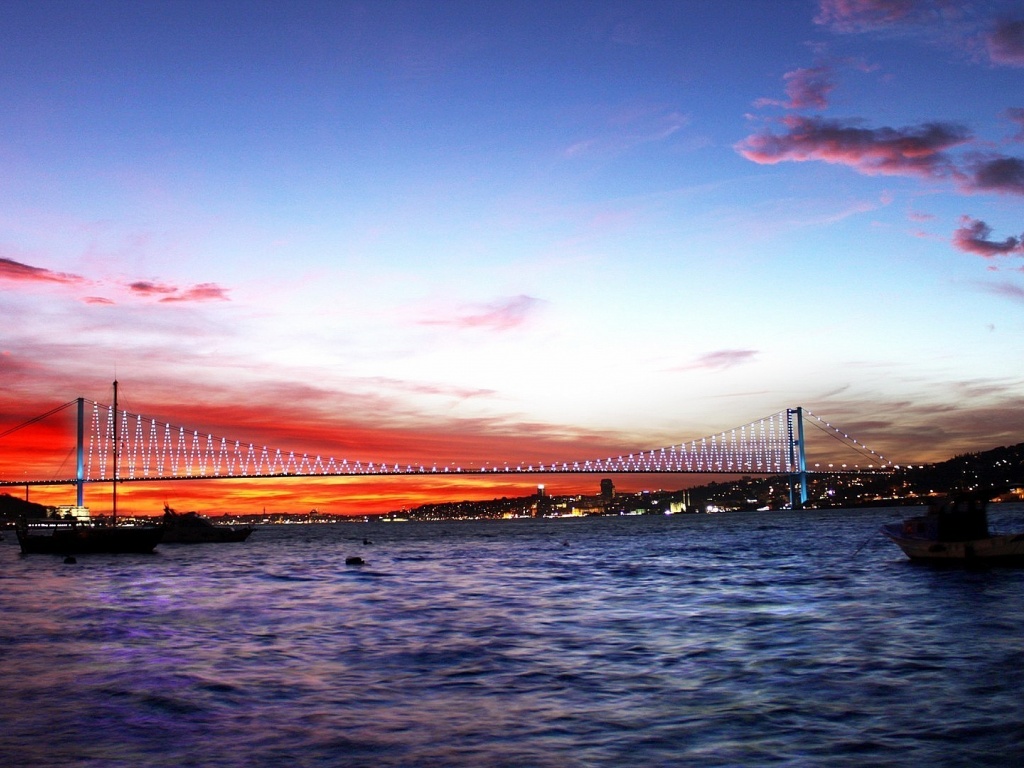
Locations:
{"points": [[116, 456]]}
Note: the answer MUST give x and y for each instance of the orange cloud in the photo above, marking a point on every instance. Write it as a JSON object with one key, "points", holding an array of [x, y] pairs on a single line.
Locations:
{"points": [[502, 315]]}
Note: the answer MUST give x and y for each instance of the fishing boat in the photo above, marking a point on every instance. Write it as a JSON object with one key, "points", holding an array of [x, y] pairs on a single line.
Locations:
{"points": [[955, 530], [74, 537], [194, 528]]}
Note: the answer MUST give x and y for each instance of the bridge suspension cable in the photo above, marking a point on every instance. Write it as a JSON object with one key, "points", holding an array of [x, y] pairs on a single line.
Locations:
{"points": [[760, 447], [151, 449], [36, 419], [845, 439]]}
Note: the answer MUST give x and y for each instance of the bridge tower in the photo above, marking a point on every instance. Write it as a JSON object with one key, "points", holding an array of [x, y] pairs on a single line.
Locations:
{"points": [[80, 455], [797, 456]]}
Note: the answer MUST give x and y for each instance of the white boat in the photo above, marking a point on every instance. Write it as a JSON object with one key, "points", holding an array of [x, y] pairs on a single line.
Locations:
{"points": [[955, 530]]}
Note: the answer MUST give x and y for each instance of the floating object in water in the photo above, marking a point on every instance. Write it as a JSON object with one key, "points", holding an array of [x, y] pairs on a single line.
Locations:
{"points": [[354, 561], [367, 541], [70, 560]]}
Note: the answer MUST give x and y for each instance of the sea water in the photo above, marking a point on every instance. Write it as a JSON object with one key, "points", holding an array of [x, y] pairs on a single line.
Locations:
{"points": [[768, 638]]}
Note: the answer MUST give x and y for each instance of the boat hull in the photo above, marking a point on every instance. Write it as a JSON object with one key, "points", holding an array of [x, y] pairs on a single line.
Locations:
{"points": [[1004, 549], [193, 528], [81, 539]]}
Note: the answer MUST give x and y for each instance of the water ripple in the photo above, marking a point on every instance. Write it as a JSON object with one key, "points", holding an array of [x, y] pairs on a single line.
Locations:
{"points": [[692, 640]]}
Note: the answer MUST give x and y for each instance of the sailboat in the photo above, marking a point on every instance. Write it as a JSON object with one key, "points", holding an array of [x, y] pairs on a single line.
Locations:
{"points": [[73, 537]]}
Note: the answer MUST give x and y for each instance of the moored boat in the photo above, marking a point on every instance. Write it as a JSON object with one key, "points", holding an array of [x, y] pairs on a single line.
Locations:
{"points": [[74, 537], [193, 528], [955, 530], [71, 537]]}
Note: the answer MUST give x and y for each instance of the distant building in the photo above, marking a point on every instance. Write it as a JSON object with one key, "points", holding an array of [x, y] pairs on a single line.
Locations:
{"points": [[587, 505], [543, 505], [69, 512], [607, 489]]}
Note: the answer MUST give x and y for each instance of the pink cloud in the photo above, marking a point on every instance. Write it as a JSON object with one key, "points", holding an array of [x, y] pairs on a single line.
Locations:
{"points": [[147, 288], [950, 23], [461, 393], [1005, 43], [809, 87], [1006, 290], [630, 127], [975, 237], [500, 315], [1016, 115], [200, 292], [721, 359], [996, 174], [171, 293], [864, 15], [16, 271], [916, 151], [97, 300]]}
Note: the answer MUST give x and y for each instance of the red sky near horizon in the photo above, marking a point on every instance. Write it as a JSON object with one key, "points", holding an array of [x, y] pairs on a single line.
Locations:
{"points": [[45, 451]]}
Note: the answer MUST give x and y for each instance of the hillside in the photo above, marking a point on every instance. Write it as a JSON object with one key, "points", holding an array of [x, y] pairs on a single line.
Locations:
{"points": [[12, 507]]}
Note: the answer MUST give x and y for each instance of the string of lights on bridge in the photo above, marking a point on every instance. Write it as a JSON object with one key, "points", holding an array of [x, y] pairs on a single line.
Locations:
{"points": [[838, 433], [155, 450]]}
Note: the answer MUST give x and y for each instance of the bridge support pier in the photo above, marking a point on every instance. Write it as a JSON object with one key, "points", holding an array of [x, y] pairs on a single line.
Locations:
{"points": [[797, 458], [80, 455]]}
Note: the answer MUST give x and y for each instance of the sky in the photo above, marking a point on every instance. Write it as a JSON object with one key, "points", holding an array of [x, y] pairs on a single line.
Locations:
{"points": [[532, 231]]}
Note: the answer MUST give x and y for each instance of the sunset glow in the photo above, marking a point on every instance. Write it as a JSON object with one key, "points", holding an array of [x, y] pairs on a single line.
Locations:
{"points": [[480, 233]]}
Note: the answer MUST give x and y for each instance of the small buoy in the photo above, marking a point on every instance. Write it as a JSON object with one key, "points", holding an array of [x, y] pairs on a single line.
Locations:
{"points": [[354, 561], [69, 560]]}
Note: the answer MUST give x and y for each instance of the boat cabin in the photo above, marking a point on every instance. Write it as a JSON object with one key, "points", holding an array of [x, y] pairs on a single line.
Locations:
{"points": [[960, 517]]}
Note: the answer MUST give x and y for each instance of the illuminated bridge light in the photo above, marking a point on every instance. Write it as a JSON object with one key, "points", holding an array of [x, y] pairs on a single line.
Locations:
{"points": [[152, 449]]}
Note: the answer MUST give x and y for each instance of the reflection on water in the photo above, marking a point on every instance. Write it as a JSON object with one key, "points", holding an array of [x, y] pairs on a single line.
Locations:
{"points": [[744, 639]]}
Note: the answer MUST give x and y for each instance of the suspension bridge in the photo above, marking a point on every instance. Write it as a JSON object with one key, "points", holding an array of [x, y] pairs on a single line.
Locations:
{"points": [[115, 445]]}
